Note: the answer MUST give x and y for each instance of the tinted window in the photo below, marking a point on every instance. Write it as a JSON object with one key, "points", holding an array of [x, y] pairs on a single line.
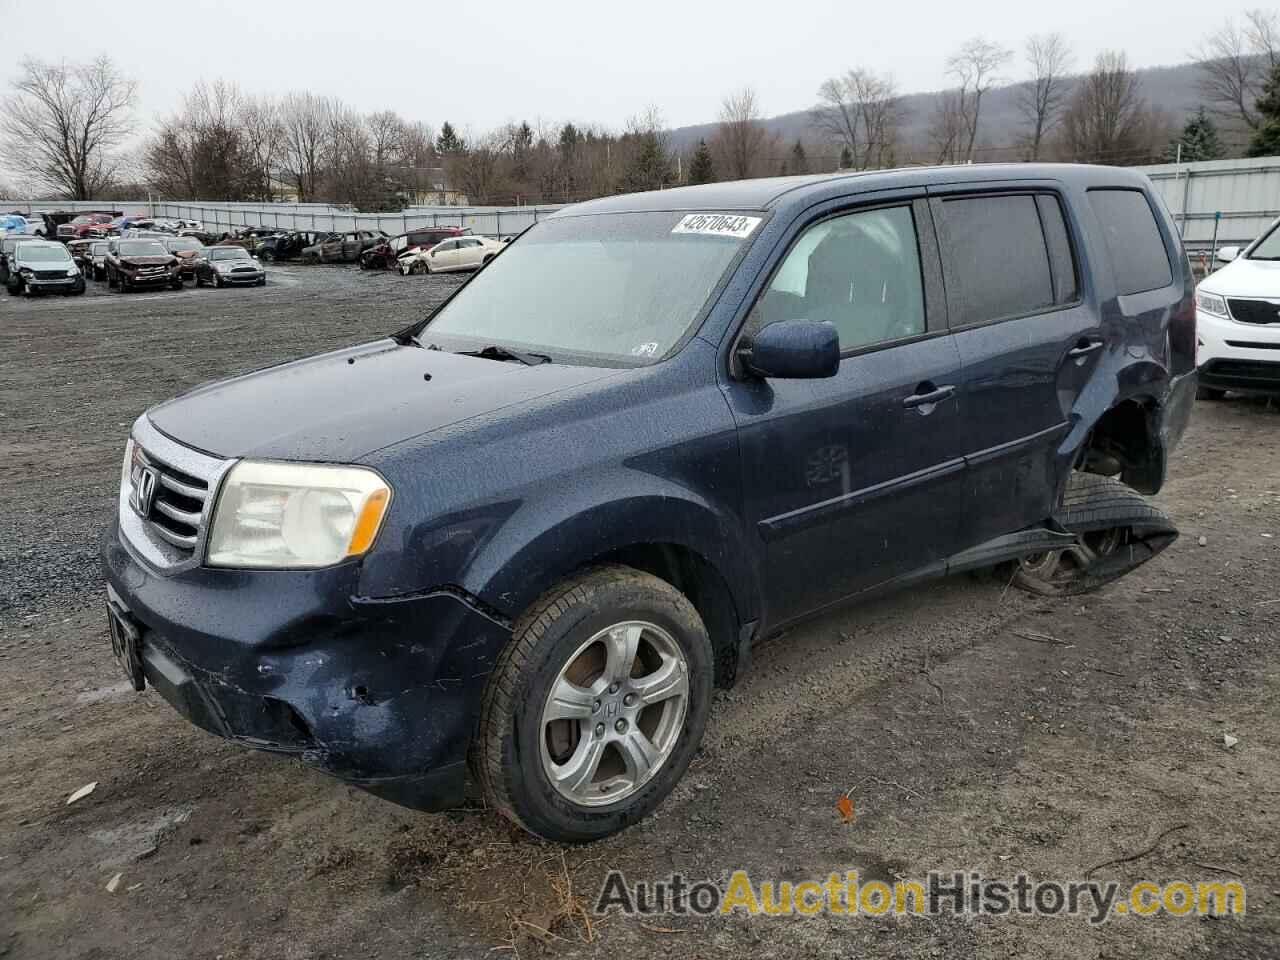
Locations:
{"points": [[1066, 284], [997, 261], [861, 272], [1138, 256], [143, 248]]}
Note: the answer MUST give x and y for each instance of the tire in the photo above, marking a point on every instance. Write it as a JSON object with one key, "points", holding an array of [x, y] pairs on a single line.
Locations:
{"points": [[78, 289], [14, 288], [111, 281], [122, 284], [511, 757], [419, 267], [1117, 530], [265, 256], [217, 281], [1210, 393], [262, 282]]}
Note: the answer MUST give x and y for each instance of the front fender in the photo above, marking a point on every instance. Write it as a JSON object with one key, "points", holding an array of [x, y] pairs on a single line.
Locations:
{"points": [[548, 537]]}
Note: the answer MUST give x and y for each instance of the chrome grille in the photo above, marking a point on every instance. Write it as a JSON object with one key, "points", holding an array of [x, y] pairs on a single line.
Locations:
{"points": [[166, 498]]}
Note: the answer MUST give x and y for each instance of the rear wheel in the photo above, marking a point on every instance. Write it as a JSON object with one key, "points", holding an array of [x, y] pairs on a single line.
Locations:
{"points": [[1209, 393], [595, 707]]}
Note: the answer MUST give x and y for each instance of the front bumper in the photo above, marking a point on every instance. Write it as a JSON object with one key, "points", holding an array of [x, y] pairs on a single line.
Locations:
{"points": [[1238, 356], [383, 694], [150, 280], [62, 283], [242, 277]]}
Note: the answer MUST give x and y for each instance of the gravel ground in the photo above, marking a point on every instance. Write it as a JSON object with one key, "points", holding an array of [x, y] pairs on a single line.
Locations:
{"points": [[974, 727]]}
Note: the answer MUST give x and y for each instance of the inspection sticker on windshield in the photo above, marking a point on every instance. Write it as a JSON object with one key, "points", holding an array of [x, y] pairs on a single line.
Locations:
{"points": [[718, 225]]}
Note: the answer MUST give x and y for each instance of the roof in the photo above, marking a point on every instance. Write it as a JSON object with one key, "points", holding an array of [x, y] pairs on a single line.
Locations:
{"points": [[771, 192]]}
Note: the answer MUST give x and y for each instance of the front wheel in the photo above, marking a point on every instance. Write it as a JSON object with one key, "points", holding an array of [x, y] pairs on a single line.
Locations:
{"points": [[595, 707]]}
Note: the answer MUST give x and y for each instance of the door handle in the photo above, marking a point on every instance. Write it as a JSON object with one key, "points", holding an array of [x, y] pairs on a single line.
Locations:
{"points": [[927, 395], [1084, 347]]}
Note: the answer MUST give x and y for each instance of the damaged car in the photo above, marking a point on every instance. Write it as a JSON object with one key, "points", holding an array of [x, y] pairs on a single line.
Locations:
{"points": [[520, 542], [342, 247], [383, 256]]}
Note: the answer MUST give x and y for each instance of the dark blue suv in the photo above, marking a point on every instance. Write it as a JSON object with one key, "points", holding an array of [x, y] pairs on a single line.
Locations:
{"points": [[528, 535]]}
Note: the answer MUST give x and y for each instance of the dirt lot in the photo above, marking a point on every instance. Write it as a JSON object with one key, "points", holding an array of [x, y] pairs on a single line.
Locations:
{"points": [[976, 728]]}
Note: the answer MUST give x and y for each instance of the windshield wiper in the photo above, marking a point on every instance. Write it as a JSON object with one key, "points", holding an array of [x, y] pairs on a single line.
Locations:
{"points": [[496, 352]]}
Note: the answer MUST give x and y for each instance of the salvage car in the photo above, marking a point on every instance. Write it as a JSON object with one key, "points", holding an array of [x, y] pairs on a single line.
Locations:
{"points": [[42, 266], [1238, 319], [228, 265], [342, 247], [384, 256], [79, 250], [132, 263], [7, 246], [452, 256], [188, 250], [284, 246], [530, 533], [85, 225], [98, 259]]}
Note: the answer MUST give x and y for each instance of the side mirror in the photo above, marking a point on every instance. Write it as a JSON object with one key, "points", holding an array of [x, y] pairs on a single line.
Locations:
{"points": [[793, 350], [1227, 254]]}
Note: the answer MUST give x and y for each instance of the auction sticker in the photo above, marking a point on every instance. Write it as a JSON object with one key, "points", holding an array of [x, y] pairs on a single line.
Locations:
{"points": [[718, 225]]}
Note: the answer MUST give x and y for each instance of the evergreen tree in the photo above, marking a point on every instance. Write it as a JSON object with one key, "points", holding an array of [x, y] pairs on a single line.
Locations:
{"points": [[650, 166], [702, 169], [846, 159], [1266, 139], [448, 142], [1199, 140], [800, 160]]}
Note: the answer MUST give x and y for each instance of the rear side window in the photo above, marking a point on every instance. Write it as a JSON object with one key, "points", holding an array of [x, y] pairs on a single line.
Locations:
{"points": [[1138, 256], [998, 261]]}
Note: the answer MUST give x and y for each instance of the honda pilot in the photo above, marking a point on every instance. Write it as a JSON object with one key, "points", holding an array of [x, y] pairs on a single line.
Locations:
{"points": [[519, 543]]}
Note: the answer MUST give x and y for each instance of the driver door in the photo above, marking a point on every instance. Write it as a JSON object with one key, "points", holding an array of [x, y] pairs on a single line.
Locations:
{"points": [[856, 480]]}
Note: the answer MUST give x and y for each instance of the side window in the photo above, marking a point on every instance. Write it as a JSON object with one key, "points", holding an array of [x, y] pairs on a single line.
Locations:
{"points": [[998, 264], [446, 247], [860, 272], [1066, 278], [1138, 256]]}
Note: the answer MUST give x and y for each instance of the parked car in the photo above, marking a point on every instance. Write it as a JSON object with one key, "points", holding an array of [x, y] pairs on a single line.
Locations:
{"points": [[342, 247], [134, 263], [98, 259], [532, 531], [42, 266], [79, 250], [384, 256], [7, 247], [284, 246], [1238, 320], [451, 256], [229, 264], [15, 224], [85, 225], [188, 250]]}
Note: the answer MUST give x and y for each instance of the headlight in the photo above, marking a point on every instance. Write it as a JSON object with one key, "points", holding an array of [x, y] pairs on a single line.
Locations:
{"points": [[1211, 304], [25, 271], [295, 515], [72, 271]]}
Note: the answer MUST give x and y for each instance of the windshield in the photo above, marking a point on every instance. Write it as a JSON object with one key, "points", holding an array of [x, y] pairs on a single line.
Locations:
{"points": [[1269, 247], [99, 248], [619, 287], [184, 244], [43, 253], [228, 253], [143, 248]]}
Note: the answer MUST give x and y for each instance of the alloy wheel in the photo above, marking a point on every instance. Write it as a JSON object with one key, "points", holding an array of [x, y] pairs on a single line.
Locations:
{"points": [[615, 713]]}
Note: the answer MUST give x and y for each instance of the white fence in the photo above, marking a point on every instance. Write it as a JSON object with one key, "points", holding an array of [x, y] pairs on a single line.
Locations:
{"points": [[1241, 196], [315, 217]]}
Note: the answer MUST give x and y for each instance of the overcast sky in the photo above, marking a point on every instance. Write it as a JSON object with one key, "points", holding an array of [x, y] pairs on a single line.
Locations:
{"points": [[482, 63]]}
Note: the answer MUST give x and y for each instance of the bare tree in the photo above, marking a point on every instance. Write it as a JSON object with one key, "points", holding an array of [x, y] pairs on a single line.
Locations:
{"points": [[1108, 120], [947, 128], [304, 119], [1042, 100], [62, 123], [1235, 61], [200, 152], [740, 138], [263, 143], [861, 112], [975, 66]]}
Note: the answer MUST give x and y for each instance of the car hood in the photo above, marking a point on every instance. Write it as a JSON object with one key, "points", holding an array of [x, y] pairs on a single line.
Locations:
{"points": [[1245, 278], [147, 261], [337, 407]]}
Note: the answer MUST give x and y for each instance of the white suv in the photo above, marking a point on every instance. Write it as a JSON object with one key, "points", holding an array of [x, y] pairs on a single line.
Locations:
{"points": [[1238, 320]]}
